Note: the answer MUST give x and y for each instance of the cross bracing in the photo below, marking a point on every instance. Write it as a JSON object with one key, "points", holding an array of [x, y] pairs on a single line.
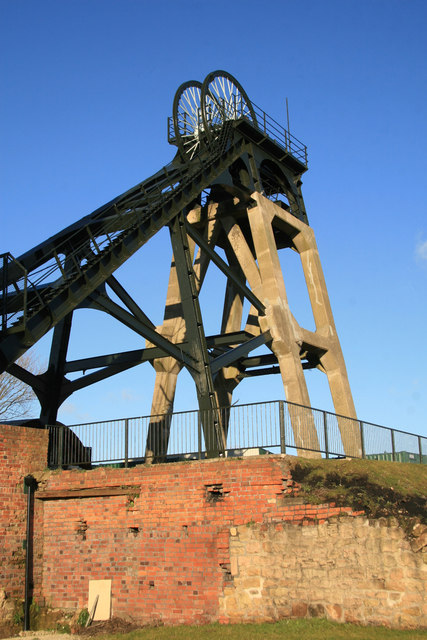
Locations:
{"points": [[234, 185]]}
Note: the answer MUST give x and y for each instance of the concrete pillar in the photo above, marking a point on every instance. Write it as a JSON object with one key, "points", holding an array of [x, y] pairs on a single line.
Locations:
{"points": [[282, 326], [332, 361]]}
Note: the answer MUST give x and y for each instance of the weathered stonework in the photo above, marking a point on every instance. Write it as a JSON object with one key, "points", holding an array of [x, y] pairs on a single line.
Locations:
{"points": [[222, 539], [346, 569]]}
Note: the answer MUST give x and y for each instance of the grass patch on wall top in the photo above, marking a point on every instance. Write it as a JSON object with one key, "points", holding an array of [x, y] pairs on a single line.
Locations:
{"points": [[381, 489]]}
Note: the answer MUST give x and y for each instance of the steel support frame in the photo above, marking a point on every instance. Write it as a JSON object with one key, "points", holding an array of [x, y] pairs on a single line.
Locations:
{"points": [[245, 224], [195, 336]]}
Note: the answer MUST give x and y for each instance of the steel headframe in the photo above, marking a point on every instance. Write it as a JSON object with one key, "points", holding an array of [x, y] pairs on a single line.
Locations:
{"points": [[234, 185]]}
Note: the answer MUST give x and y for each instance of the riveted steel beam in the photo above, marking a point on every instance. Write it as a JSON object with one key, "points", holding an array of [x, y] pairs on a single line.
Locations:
{"points": [[195, 335]]}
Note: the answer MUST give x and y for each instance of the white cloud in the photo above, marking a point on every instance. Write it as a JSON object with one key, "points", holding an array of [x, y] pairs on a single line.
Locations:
{"points": [[71, 410], [129, 396], [421, 250], [125, 394]]}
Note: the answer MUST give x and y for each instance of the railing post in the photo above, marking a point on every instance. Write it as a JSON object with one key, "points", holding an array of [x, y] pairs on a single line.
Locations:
{"points": [[25, 298], [362, 438], [60, 452], [393, 450], [282, 426], [420, 449], [126, 442], [199, 434], [325, 429], [4, 288]]}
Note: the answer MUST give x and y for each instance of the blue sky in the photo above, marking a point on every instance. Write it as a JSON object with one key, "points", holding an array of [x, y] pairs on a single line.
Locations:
{"points": [[86, 87]]}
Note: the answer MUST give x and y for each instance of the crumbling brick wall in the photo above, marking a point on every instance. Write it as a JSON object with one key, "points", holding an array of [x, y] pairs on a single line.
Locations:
{"points": [[164, 542], [23, 451], [192, 542]]}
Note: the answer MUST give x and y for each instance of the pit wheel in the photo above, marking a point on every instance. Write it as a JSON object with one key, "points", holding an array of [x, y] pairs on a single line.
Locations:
{"points": [[187, 118], [223, 98]]}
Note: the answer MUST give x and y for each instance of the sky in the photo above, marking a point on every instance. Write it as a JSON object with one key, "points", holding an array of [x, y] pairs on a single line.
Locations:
{"points": [[86, 88]]}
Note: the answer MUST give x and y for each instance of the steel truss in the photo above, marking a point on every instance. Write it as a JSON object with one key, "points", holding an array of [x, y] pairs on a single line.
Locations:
{"points": [[234, 185]]}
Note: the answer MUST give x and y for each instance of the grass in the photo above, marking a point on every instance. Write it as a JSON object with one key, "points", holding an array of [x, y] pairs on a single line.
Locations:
{"points": [[381, 489], [313, 629]]}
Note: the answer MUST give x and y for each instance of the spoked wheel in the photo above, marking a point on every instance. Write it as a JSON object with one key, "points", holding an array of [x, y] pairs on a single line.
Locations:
{"points": [[187, 118], [223, 98]]}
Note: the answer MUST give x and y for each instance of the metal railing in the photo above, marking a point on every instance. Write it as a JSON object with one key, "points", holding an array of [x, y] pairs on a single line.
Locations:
{"points": [[253, 429], [64, 263], [12, 295], [280, 135], [259, 119]]}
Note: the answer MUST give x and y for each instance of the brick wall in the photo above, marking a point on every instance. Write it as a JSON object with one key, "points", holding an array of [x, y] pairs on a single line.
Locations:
{"points": [[165, 545], [193, 542], [22, 451]]}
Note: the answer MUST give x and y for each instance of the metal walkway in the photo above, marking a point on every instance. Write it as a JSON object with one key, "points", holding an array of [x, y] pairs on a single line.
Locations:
{"points": [[232, 159]]}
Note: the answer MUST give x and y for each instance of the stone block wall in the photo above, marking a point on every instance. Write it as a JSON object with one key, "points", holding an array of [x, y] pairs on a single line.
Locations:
{"points": [[346, 569], [194, 542]]}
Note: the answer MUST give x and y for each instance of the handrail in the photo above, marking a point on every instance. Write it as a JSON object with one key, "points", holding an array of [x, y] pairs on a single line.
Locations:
{"points": [[266, 125], [261, 428], [280, 135], [133, 208], [8, 258]]}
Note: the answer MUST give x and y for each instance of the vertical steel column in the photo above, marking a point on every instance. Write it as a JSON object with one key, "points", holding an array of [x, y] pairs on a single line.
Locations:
{"points": [[52, 398], [199, 435], [61, 447], [30, 485], [195, 336]]}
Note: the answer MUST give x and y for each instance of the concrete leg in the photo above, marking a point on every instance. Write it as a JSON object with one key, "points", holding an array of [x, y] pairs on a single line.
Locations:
{"points": [[332, 361], [282, 326]]}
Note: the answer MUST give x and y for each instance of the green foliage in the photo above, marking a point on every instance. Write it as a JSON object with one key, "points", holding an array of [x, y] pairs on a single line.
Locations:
{"points": [[34, 609], [381, 489], [63, 628], [312, 629], [18, 617], [18, 613], [83, 618]]}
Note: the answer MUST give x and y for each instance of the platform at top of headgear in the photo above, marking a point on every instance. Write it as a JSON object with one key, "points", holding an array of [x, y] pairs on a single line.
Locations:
{"points": [[227, 147], [200, 111]]}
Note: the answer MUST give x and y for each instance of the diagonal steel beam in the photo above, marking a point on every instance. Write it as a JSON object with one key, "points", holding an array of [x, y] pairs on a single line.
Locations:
{"points": [[62, 299], [85, 381], [26, 376], [103, 303], [225, 268], [121, 293], [239, 352]]}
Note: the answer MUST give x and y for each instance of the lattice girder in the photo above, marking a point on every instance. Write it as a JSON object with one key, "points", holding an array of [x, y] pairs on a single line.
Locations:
{"points": [[231, 187]]}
